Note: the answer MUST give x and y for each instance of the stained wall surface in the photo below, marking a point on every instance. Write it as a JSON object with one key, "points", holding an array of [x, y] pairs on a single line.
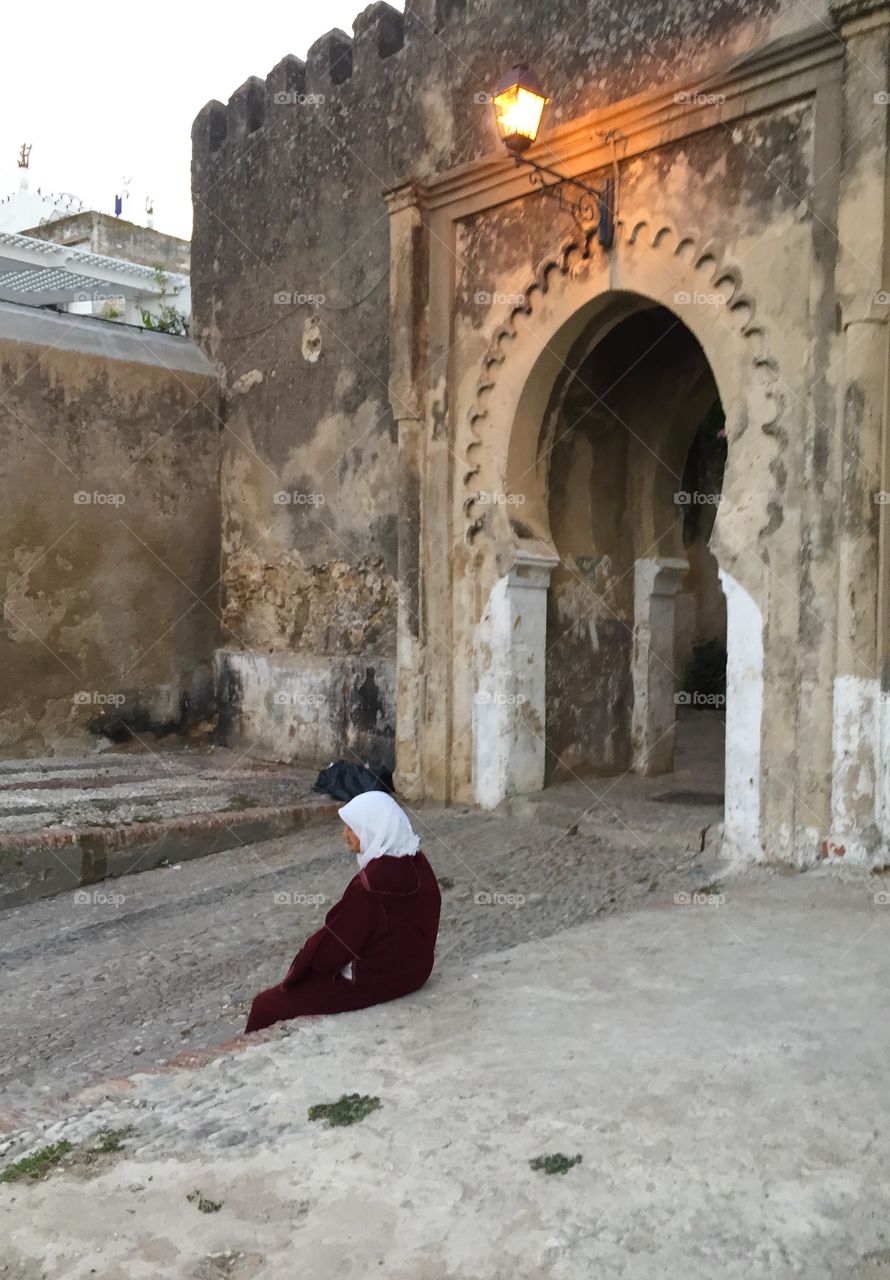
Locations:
{"points": [[109, 531]]}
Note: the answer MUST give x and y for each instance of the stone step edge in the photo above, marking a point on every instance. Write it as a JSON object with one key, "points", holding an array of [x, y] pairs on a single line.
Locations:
{"points": [[131, 833]]}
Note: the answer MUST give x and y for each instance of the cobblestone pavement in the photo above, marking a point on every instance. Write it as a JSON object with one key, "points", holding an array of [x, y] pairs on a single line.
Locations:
{"points": [[135, 969], [140, 786], [718, 1067]]}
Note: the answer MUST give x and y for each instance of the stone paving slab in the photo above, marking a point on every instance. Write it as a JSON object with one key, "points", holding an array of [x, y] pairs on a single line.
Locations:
{"points": [[721, 1071]]}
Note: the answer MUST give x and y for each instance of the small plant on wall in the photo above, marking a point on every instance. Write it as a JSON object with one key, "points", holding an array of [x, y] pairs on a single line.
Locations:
{"points": [[168, 319]]}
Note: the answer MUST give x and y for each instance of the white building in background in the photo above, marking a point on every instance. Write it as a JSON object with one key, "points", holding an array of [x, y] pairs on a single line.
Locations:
{"points": [[54, 252]]}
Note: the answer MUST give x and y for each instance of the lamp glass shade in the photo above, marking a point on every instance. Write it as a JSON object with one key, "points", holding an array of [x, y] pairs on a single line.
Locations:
{"points": [[519, 104]]}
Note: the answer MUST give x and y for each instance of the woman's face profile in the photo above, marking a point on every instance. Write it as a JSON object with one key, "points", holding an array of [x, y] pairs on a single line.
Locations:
{"points": [[351, 840]]}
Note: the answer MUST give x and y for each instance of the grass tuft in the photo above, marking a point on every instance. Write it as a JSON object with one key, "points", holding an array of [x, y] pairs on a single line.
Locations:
{"points": [[348, 1109], [202, 1204], [38, 1164], [555, 1163]]}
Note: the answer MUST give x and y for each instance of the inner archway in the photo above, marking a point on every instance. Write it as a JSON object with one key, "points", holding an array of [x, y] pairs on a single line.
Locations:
{"points": [[636, 619]]}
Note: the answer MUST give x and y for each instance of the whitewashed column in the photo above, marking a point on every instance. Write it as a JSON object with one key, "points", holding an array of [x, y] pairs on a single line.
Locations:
{"points": [[509, 709]]}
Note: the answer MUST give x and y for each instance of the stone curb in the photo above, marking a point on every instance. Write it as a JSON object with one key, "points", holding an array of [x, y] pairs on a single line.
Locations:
{"points": [[42, 863]]}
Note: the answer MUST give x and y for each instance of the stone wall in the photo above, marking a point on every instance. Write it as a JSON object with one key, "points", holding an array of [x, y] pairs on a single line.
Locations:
{"points": [[109, 531], [290, 269]]}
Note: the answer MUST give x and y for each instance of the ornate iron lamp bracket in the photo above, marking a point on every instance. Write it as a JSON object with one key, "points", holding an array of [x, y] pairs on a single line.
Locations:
{"points": [[591, 205]]}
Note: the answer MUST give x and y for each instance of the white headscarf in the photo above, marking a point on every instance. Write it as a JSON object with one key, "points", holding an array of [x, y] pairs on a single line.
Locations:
{"points": [[383, 828]]}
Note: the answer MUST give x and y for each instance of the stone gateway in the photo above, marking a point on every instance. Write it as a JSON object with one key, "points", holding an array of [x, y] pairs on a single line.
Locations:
{"points": [[492, 488]]}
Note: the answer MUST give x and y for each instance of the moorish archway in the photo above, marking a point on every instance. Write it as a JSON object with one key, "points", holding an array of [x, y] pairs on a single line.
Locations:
{"points": [[578, 298]]}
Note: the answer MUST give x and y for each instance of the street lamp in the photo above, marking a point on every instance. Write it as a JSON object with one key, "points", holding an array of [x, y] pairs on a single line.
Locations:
{"points": [[519, 104]]}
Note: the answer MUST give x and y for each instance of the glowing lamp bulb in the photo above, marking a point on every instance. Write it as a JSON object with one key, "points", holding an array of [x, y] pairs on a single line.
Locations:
{"points": [[519, 104]]}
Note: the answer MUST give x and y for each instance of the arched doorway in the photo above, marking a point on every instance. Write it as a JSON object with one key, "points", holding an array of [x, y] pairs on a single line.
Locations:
{"points": [[515, 425], [636, 618], [476, 436]]}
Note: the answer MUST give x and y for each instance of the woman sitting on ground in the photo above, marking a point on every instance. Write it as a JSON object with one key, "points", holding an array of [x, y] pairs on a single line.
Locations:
{"points": [[377, 942]]}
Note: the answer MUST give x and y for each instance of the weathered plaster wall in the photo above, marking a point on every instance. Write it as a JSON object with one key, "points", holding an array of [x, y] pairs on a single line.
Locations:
{"points": [[109, 530]]}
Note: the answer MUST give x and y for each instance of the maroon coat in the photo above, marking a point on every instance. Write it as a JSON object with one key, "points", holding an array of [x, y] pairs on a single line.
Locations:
{"points": [[385, 925]]}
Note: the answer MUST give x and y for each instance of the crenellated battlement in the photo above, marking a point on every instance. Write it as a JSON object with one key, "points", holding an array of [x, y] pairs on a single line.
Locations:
{"points": [[380, 33]]}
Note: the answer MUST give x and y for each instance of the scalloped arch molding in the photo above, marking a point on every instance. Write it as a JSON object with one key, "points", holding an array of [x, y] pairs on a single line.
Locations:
{"points": [[701, 263]]}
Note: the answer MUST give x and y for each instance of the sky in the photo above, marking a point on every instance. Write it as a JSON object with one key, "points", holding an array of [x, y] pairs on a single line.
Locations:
{"points": [[109, 91]]}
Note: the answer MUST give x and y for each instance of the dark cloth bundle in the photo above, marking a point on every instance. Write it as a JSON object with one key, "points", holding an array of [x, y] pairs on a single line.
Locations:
{"points": [[343, 780]]}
